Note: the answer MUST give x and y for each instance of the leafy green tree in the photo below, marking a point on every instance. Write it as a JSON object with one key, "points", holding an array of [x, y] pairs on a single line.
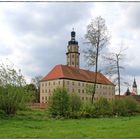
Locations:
{"points": [[59, 103], [36, 81], [32, 90], [12, 99], [102, 107], [10, 76], [74, 105], [13, 95]]}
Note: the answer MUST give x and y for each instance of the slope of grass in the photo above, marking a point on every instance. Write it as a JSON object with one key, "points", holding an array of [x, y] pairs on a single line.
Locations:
{"points": [[35, 124]]}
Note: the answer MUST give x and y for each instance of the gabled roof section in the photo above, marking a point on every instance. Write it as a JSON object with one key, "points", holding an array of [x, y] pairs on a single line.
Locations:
{"points": [[66, 72]]}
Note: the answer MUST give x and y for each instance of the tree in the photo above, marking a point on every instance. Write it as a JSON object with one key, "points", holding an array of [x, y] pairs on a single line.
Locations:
{"points": [[31, 89], [59, 103], [97, 37], [74, 102], [10, 76], [13, 95], [36, 81], [114, 66]]}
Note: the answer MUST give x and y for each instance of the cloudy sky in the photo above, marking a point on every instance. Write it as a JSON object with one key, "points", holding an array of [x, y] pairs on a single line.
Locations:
{"points": [[34, 36]]}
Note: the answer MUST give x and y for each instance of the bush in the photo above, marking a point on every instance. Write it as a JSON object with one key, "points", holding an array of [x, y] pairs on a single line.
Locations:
{"points": [[12, 98], [59, 103], [118, 107], [102, 107], [87, 110], [74, 105], [131, 105], [124, 106]]}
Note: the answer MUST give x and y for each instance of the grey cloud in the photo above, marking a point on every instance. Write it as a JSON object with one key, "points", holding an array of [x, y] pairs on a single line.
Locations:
{"points": [[133, 15], [53, 17], [48, 25]]}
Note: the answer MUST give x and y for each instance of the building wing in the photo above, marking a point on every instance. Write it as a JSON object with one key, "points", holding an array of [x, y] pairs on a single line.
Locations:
{"points": [[66, 72]]}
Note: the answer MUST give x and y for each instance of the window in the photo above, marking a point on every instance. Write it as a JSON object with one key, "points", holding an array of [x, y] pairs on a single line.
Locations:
{"points": [[72, 83], [72, 56], [79, 84], [45, 84], [72, 63], [79, 90], [82, 91], [45, 98], [53, 83], [83, 84], [42, 84], [42, 97], [42, 90], [46, 90], [59, 82], [67, 82]]}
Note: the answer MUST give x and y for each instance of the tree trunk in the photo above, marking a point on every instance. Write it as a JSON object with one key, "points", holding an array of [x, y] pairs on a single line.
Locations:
{"points": [[118, 71]]}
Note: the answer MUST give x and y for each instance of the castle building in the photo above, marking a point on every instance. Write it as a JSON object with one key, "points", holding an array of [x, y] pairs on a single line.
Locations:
{"points": [[74, 79]]}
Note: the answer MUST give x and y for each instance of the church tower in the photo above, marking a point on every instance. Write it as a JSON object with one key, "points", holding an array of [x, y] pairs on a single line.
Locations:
{"points": [[73, 52], [134, 87]]}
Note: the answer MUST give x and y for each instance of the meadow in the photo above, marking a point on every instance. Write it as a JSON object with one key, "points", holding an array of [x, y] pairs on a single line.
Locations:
{"points": [[35, 124]]}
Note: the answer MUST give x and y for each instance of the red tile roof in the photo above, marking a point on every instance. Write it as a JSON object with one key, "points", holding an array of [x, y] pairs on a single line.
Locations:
{"points": [[66, 72]]}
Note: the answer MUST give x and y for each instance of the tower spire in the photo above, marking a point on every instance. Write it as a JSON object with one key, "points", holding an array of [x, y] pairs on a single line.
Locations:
{"points": [[134, 87], [73, 51]]}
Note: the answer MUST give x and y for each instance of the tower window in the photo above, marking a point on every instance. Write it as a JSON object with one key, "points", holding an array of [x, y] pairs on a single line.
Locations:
{"points": [[72, 63], [72, 56]]}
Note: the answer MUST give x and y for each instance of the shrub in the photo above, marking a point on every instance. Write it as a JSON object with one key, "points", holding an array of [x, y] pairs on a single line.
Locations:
{"points": [[118, 107], [59, 103], [87, 110], [74, 102], [12, 98], [102, 107], [131, 105], [124, 106]]}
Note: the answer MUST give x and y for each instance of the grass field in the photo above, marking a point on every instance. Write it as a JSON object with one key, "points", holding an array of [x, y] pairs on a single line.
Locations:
{"points": [[35, 124]]}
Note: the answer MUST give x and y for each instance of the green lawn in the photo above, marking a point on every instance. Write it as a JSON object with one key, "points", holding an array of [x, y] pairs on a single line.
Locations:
{"points": [[34, 124]]}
